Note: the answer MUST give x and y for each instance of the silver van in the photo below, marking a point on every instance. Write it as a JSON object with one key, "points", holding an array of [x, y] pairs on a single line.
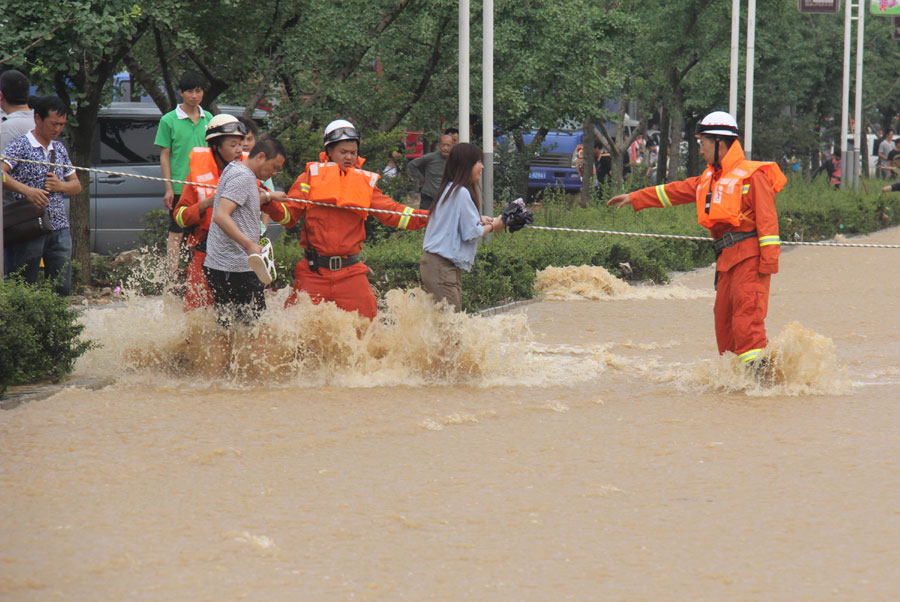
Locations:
{"points": [[124, 143]]}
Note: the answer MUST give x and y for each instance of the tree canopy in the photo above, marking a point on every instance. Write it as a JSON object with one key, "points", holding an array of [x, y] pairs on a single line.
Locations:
{"points": [[392, 64]]}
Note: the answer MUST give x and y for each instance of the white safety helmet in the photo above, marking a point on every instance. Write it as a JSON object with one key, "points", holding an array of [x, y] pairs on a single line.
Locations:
{"points": [[338, 130], [718, 123], [224, 125]]}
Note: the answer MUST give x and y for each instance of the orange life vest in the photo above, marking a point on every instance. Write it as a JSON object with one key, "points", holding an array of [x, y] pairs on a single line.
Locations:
{"points": [[351, 188], [203, 168], [725, 201]]}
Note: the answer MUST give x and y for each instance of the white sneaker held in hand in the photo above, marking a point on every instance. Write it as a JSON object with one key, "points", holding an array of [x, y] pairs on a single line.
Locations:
{"points": [[263, 263]]}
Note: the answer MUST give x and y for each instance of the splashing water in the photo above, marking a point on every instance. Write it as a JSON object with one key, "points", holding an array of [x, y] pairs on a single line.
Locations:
{"points": [[413, 342], [798, 362], [595, 283]]}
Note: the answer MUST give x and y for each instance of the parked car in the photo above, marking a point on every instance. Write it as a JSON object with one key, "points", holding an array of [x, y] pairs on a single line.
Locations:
{"points": [[124, 143], [554, 166]]}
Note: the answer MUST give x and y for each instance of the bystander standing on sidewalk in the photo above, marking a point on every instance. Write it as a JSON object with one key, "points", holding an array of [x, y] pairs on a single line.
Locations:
{"points": [[18, 118], [429, 168], [45, 188], [180, 131]]}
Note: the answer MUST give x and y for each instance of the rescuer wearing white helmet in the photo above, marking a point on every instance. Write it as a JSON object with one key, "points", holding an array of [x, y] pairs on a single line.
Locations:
{"points": [[735, 200], [224, 135], [332, 237]]}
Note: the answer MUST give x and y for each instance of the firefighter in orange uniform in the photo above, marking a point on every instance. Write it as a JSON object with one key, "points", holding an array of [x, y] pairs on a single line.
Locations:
{"points": [[332, 237], [224, 134], [735, 199]]}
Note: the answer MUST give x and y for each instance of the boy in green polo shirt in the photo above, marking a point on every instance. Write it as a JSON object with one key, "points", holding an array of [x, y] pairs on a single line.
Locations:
{"points": [[179, 131]]}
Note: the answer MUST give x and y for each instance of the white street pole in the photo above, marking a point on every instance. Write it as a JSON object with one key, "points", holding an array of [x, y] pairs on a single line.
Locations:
{"points": [[857, 130], [463, 70], [845, 99], [735, 58], [748, 92], [487, 112]]}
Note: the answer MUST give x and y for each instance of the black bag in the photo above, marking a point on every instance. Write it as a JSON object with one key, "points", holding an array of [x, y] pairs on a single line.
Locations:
{"points": [[516, 216], [22, 221]]}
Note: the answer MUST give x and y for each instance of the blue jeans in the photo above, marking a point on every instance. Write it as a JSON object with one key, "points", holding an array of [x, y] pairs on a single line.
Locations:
{"points": [[55, 248]]}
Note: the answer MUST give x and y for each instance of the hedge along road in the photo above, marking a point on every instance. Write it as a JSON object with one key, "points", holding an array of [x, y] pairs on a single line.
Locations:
{"points": [[567, 449]]}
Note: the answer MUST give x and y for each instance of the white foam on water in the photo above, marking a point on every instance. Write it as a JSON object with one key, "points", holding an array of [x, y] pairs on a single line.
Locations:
{"points": [[799, 362], [594, 283]]}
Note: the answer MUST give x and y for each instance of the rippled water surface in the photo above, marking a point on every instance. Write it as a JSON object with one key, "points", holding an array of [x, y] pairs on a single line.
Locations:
{"points": [[590, 446]]}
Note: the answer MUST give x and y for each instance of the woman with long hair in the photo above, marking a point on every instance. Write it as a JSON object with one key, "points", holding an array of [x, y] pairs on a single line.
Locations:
{"points": [[455, 226]]}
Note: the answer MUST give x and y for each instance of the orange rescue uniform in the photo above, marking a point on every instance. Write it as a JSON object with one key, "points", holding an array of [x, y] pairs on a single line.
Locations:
{"points": [[337, 233], [742, 201], [188, 214]]}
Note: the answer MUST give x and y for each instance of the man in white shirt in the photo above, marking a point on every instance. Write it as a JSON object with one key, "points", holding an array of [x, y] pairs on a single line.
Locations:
{"points": [[18, 117]]}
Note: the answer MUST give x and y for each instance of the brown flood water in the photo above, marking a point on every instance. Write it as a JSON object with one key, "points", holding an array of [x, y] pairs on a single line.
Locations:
{"points": [[571, 449]]}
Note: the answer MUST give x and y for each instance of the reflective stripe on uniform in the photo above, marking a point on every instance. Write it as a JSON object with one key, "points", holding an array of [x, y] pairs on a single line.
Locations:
{"points": [[662, 196], [404, 221], [749, 355], [769, 240], [178, 217], [304, 188], [287, 215], [745, 189]]}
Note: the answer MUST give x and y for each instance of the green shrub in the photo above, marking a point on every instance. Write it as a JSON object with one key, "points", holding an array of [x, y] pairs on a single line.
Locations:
{"points": [[39, 334]]}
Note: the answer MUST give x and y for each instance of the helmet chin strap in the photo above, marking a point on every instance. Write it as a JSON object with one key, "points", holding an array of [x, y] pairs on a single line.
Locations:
{"points": [[716, 166], [215, 150]]}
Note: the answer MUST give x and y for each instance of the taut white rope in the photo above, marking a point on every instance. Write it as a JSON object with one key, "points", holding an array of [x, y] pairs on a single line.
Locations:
{"points": [[547, 228]]}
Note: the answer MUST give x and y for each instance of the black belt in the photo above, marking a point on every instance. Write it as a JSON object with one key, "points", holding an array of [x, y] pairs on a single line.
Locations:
{"points": [[331, 262], [730, 239]]}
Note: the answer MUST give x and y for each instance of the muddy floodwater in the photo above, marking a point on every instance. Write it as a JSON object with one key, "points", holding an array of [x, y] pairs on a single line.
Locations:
{"points": [[588, 446]]}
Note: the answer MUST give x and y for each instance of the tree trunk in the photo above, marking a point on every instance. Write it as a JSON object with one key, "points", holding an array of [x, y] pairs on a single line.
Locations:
{"points": [[675, 137], [148, 83], [80, 204], [693, 161], [864, 153], [663, 159], [528, 150], [587, 165]]}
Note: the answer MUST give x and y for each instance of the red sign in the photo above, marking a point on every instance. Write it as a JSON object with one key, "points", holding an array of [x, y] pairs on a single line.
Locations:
{"points": [[819, 6], [895, 35]]}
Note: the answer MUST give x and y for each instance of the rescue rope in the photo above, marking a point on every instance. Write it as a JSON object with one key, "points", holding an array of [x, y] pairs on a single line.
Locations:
{"points": [[400, 213], [708, 239]]}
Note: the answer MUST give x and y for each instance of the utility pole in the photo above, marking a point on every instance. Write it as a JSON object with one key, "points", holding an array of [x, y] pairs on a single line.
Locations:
{"points": [[463, 70], [748, 91], [487, 111], [735, 58], [846, 157], [858, 134]]}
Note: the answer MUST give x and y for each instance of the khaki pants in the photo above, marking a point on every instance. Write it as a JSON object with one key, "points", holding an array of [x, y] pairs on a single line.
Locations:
{"points": [[442, 279]]}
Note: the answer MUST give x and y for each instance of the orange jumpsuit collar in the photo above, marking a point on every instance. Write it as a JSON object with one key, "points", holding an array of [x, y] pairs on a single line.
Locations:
{"points": [[731, 159]]}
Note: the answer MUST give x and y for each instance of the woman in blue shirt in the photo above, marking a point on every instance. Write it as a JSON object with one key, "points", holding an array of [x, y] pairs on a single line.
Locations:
{"points": [[455, 226]]}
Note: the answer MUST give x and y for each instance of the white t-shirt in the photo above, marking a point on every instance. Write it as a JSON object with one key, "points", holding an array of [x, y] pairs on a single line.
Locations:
{"points": [[16, 124]]}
